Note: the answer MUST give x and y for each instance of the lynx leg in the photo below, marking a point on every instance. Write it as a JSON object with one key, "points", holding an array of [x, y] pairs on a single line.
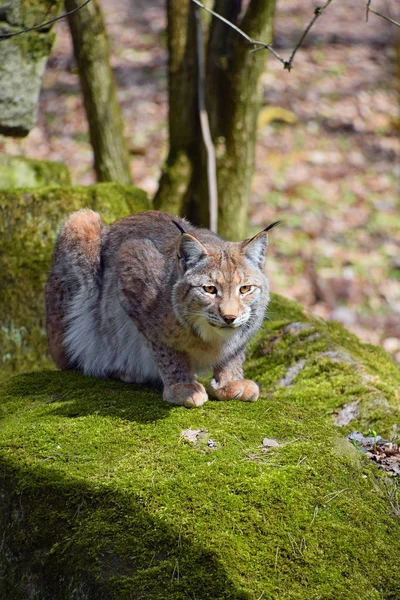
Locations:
{"points": [[228, 382], [76, 257], [180, 385]]}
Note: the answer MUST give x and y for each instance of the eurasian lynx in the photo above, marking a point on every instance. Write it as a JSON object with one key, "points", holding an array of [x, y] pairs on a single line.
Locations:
{"points": [[144, 303]]}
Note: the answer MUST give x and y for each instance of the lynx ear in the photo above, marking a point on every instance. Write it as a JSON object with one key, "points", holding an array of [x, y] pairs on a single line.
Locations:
{"points": [[190, 250], [254, 248]]}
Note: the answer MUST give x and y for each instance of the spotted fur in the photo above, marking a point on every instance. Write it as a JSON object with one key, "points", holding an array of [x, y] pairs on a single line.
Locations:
{"points": [[151, 299]]}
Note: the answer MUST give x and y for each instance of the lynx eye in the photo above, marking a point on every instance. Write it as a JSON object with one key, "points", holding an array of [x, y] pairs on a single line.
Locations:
{"points": [[210, 289], [244, 289]]}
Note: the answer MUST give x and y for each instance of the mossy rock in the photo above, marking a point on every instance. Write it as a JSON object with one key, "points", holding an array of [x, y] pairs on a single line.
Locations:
{"points": [[29, 223], [20, 172], [301, 358], [22, 61], [102, 497]]}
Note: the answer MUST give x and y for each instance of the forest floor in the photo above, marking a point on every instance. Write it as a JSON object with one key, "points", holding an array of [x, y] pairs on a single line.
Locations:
{"points": [[330, 171]]}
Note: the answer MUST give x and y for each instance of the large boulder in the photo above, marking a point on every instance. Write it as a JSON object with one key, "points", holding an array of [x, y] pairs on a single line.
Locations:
{"points": [[20, 172], [22, 61], [107, 492], [29, 223]]}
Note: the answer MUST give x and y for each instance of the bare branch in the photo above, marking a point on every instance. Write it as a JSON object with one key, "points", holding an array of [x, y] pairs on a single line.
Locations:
{"points": [[221, 18], [205, 130], [256, 43], [317, 13], [287, 64], [369, 9], [9, 35]]}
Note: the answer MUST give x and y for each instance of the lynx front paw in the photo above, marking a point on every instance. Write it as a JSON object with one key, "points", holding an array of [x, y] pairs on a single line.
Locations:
{"points": [[190, 395], [242, 389]]}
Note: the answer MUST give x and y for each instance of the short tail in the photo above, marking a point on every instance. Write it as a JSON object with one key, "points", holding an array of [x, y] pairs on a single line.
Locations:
{"points": [[76, 261], [80, 239]]}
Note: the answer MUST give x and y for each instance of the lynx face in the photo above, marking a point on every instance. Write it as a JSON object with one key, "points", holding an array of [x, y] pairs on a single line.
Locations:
{"points": [[223, 289]]}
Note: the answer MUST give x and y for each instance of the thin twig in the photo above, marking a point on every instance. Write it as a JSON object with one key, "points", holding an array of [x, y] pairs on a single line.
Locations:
{"points": [[369, 9], [71, 12], [287, 64], [239, 440], [315, 514], [176, 570], [332, 495], [317, 13], [235, 27], [255, 43], [276, 556], [205, 130]]}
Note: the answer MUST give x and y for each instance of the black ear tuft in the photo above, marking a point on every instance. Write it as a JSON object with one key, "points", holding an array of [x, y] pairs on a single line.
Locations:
{"points": [[254, 248], [178, 226], [274, 224]]}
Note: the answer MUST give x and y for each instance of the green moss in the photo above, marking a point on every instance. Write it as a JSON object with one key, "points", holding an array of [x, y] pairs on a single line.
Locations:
{"points": [[35, 46], [20, 172], [29, 223], [102, 499], [336, 369]]}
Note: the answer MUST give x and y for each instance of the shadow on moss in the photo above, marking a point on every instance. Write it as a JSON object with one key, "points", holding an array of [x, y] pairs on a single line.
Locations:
{"points": [[117, 400], [63, 539]]}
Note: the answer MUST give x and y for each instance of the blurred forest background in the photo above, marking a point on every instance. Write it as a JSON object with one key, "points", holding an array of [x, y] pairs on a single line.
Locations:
{"points": [[327, 165]]}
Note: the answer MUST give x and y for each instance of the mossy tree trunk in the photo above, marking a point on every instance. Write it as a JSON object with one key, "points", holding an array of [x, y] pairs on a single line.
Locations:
{"points": [[233, 98], [91, 48]]}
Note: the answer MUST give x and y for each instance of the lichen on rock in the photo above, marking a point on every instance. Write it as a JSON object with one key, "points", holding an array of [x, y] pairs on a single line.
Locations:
{"points": [[29, 222]]}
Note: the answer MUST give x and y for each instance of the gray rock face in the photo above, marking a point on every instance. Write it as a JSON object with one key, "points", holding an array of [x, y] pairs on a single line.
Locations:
{"points": [[22, 62]]}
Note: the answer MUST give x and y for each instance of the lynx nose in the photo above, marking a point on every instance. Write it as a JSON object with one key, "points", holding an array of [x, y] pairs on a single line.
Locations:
{"points": [[229, 319]]}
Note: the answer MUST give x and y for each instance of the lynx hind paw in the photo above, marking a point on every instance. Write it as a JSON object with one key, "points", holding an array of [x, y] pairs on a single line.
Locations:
{"points": [[190, 395], [242, 389]]}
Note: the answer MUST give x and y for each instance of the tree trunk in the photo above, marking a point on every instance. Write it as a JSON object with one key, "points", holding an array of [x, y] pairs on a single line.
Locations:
{"points": [[91, 48], [233, 98], [182, 96]]}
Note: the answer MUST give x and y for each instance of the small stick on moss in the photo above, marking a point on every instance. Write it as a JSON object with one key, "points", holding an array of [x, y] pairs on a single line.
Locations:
{"points": [[276, 557], [262, 594], [240, 441], [334, 495], [176, 570], [152, 560], [291, 442], [303, 544], [393, 498], [291, 540], [315, 514]]}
